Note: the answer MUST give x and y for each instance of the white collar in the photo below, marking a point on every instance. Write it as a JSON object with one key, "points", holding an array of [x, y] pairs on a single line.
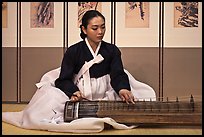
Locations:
{"points": [[91, 50]]}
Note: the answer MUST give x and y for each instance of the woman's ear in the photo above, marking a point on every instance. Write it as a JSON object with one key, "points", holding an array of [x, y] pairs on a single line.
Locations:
{"points": [[84, 29]]}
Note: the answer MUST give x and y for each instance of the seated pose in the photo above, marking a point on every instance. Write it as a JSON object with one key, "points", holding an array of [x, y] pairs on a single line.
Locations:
{"points": [[91, 69]]}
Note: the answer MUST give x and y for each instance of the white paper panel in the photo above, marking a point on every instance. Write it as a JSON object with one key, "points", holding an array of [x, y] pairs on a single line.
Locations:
{"points": [[42, 37], [181, 37], [137, 37]]}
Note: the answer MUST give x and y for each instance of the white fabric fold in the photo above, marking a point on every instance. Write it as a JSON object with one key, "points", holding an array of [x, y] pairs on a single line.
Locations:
{"points": [[87, 85], [45, 109], [86, 66], [84, 74], [87, 125], [49, 78], [45, 112], [140, 90]]}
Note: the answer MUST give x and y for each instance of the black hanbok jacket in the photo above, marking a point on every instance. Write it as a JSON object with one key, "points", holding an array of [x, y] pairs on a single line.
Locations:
{"points": [[75, 57]]}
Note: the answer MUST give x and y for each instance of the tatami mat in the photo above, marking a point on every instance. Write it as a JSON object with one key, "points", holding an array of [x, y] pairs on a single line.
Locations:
{"points": [[8, 129]]}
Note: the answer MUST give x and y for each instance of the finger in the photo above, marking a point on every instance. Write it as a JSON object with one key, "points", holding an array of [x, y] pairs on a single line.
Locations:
{"points": [[74, 98], [126, 98], [123, 98], [78, 94], [132, 101], [127, 101], [131, 97]]}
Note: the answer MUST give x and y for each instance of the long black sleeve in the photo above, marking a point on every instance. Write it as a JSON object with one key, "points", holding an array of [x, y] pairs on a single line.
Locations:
{"points": [[65, 80], [119, 79]]}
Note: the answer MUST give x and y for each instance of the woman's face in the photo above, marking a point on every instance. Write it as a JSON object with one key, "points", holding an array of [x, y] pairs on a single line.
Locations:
{"points": [[95, 30]]}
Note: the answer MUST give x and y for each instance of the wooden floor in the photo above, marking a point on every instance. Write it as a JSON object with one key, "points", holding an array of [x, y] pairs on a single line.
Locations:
{"points": [[8, 129]]}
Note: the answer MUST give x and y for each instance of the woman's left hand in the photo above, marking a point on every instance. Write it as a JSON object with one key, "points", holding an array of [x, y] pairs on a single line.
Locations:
{"points": [[126, 95]]}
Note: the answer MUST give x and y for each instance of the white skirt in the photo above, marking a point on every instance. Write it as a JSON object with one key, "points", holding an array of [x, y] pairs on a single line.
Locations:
{"points": [[45, 109]]}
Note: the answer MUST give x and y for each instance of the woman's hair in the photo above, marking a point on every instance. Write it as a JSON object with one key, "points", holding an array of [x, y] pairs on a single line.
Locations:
{"points": [[86, 18]]}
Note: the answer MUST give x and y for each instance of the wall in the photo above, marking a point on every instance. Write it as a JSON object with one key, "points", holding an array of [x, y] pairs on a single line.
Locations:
{"points": [[167, 59]]}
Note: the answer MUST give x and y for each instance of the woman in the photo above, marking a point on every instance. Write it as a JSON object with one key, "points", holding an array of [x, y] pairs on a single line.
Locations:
{"points": [[92, 32], [91, 69]]}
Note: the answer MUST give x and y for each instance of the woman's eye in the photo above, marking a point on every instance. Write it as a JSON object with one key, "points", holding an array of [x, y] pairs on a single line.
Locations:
{"points": [[94, 28]]}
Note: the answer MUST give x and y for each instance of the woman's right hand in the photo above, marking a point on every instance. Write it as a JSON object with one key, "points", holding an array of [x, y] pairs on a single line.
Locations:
{"points": [[77, 96]]}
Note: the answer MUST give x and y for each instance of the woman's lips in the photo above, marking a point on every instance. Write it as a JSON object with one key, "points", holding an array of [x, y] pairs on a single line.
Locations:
{"points": [[99, 37]]}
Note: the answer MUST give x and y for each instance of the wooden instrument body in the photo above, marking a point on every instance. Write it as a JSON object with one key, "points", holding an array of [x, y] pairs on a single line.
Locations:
{"points": [[142, 112]]}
